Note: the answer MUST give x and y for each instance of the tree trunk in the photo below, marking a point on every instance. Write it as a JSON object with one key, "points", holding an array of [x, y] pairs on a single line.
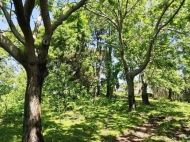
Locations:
{"points": [[109, 91], [145, 94], [131, 96], [32, 128], [170, 94]]}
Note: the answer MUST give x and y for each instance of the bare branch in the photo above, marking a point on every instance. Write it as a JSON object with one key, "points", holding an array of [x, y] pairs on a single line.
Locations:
{"points": [[11, 24], [63, 17], [28, 7], [7, 45]]}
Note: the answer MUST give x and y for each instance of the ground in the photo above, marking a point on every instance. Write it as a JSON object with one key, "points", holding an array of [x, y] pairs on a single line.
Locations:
{"points": [[147, 131], [101, 120]]}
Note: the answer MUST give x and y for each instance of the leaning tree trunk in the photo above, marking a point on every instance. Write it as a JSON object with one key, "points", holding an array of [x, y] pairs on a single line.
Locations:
{"points": [[32, 128], [131, 96], [145, 94]]}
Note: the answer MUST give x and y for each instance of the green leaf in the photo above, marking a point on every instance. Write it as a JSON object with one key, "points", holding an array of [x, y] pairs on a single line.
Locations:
{"points": [[72, 18], [113, 3], [102, 1]]}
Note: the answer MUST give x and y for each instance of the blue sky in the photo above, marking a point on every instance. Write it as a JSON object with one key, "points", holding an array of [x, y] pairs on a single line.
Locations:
{"points": [[4, 24]]}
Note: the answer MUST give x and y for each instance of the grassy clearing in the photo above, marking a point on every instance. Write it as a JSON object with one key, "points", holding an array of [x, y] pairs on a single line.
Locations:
{"points": [[101, 120]]}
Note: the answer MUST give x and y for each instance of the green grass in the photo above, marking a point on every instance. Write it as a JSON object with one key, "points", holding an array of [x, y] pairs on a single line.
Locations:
{"points": [[100, 120]]}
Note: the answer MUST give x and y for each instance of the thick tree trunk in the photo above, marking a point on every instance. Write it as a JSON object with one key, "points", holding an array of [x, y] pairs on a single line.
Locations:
{"points": [[145, 94], [32, 128], [131, 96]]}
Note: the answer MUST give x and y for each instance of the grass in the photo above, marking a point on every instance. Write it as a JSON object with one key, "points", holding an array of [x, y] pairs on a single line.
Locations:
{"points": [[103, 120]]}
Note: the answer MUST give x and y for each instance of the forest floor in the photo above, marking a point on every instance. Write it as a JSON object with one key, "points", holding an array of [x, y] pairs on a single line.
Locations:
{"points": [[147, 131], [101, 120]]}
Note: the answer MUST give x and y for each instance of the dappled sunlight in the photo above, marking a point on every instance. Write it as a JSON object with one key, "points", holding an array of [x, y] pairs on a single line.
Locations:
{"points": [[105, 121]]}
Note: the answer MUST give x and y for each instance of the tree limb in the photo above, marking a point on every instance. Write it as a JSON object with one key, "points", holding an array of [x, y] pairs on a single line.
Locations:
{"points": [[46, 17], [63, 17], [111, 10], [172, 17], [157, 29], [156, 32], [7, 45], [103, 15], [22, 21], [24, 24], [132, 7], [11, 24], [28, 7], [37, 25]]}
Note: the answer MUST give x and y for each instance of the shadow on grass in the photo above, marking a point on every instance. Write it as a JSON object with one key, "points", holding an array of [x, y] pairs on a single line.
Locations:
{"points": [[162, 108], [102, 121], [165, 122], [76, 133], [11, 127]]}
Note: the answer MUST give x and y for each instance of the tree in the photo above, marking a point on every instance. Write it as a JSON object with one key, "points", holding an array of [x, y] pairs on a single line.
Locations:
{"points": [[33, 57], [138, 24]]}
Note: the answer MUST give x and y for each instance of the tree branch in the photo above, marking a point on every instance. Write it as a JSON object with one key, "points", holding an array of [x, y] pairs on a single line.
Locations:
{"points": [[11, 24], [63, 17], [156, 32], [7, 45], [24, 24], [172, 17], [132, 7], [37, 25], [103, 15], [46, 18], [28, 8], [157, 29], [111, 10]]}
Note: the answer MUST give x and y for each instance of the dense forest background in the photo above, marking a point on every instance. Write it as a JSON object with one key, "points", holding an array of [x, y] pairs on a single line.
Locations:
{"points": [[109, 67]]}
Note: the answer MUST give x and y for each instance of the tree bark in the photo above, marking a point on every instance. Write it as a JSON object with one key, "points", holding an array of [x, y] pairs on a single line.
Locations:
{"points": [[144, 90], [131, 96], [32, 127], [145, 94]]}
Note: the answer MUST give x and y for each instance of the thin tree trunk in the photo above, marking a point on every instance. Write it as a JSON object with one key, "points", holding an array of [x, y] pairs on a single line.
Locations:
{"points": [[109, 92], [170, 94], [131, 96], [32, 128]]}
